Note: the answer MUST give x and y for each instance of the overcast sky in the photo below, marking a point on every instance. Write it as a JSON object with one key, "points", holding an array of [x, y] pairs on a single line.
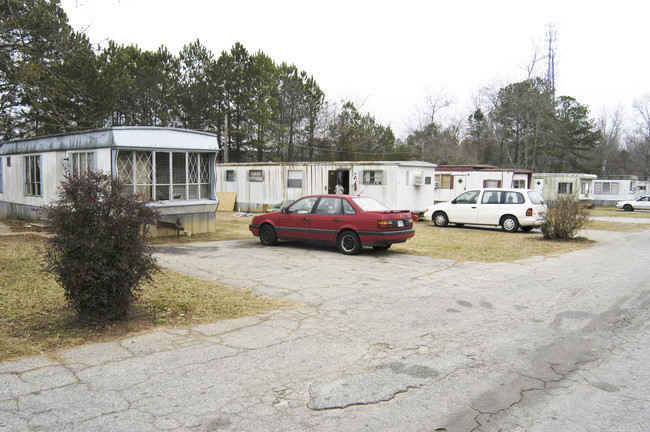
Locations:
{"points": [[386, 56]]}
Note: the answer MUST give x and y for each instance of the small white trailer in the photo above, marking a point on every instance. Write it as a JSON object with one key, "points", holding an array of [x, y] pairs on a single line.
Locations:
{"points": [[407, 185]]}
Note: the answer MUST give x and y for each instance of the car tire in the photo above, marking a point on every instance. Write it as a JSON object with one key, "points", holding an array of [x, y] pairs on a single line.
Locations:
{"points": [[381, 248], [440, 219], [628, 207], [526, 228], [268, 237], [509, 224], [348, 243]]}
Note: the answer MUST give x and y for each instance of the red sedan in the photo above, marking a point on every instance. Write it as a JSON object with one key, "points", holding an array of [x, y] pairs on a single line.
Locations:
{"points": [[348, 221]]}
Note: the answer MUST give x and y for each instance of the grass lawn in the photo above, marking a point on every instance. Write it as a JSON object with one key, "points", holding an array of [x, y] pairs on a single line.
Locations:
{"points": [[482, 244], [34, 317], [615, 212]]}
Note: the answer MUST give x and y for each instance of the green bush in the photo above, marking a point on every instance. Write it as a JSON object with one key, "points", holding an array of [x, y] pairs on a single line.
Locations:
{"points": [[564, 218], [97, 253]]}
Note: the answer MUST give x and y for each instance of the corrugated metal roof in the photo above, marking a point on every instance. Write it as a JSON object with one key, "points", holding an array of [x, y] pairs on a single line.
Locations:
{"points": [[419, 164], [142, 137]]}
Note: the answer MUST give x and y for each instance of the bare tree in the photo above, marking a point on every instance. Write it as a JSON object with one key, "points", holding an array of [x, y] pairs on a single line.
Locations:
{"points": [[638, 145], [608, 150], [434, 102]]}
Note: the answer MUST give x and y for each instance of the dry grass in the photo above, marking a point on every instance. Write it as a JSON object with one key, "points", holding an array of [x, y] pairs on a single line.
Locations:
{"points": [[617, 226], [483, 244], [228, 228], [615, 212], [34, 317]]}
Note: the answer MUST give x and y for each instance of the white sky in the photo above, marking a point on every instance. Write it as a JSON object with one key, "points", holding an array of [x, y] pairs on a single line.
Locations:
{"points": [[386, 56]]}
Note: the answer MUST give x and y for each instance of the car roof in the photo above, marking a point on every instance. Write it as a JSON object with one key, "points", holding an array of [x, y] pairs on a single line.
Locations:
{"points": [[331, 195], [501, 189]]}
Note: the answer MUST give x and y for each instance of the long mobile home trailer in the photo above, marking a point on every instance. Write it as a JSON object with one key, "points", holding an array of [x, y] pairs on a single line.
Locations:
{"points": [[452, 180], [608, 190], [553, 185], [399, 185]]}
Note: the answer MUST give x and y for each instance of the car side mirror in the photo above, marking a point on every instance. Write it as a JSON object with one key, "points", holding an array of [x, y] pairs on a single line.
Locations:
{"points": [[453, 201]]}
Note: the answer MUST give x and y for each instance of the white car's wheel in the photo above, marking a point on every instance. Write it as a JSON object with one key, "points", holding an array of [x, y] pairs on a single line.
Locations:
{"points": [[509, 224], [440, 219]]}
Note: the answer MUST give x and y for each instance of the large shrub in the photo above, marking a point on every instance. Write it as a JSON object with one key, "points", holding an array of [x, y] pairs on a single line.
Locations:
{"points": [[564, 218], [97, 253]]}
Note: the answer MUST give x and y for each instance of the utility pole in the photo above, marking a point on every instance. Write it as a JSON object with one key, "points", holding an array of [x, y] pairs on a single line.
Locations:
{"points": [[225, 145]]}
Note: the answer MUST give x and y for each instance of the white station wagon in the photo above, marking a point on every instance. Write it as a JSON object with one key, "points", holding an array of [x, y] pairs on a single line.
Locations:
{"points": [[508, 208]]}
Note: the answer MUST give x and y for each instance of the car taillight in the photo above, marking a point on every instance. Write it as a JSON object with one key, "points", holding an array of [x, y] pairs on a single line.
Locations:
{"points": [[529, 212], [395, 223]]}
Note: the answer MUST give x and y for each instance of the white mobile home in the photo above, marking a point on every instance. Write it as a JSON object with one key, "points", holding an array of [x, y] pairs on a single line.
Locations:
{"points": [[608, 190], [172, 167], [399, 185], [553, 185], [452, 180]]}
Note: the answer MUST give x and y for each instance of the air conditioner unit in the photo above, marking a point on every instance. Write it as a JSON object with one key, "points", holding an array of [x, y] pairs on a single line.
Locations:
{"points": [[418, 178]]}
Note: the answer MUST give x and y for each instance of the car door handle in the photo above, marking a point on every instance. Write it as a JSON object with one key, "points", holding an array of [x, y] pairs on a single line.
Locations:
{"points": [[336, 220], [305, 218]]}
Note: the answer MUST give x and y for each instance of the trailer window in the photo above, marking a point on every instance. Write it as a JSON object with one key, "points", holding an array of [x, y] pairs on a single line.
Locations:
{"points": [[32, 175], [565, 188]]}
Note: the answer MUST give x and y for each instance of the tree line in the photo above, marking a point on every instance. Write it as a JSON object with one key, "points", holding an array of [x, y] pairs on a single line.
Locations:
{"points": [[52, 80]]}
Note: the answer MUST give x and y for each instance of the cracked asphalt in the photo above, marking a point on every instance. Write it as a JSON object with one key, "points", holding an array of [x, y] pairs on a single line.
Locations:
{"points": [[382, 342]]}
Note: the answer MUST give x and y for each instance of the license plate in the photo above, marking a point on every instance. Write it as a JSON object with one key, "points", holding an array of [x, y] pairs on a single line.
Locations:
{"points": [[400, 223]]}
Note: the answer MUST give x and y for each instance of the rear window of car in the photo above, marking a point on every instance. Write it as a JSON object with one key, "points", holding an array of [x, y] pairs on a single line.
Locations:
{"points": [[535, 197], [369, 204]]}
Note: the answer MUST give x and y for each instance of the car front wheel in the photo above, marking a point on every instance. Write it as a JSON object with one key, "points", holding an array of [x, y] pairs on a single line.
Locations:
{"points": [[349, 243], [628, 207], [440, 219], [509, 224], [268, 237]]}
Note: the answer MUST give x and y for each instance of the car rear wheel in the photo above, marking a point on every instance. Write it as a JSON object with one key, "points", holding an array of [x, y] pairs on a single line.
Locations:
{"points": [[440, 219], [349, 243], [526, 228], [509, 224], [268, 237], [381, 248], [628, 207]]}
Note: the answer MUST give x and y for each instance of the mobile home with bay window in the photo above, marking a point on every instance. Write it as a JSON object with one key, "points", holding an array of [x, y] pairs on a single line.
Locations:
{"points": [[174, 168]]}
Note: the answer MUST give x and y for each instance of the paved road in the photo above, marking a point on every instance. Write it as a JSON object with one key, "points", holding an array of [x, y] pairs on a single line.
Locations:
{"points": [[384, 342]]}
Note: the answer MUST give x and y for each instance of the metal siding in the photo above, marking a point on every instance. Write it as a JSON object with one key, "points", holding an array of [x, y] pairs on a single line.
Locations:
{"points": [[123, 137]]}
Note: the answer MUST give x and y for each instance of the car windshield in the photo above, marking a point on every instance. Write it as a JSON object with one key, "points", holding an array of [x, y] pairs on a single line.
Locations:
{"points": [[535, 197], [369, 204]]}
